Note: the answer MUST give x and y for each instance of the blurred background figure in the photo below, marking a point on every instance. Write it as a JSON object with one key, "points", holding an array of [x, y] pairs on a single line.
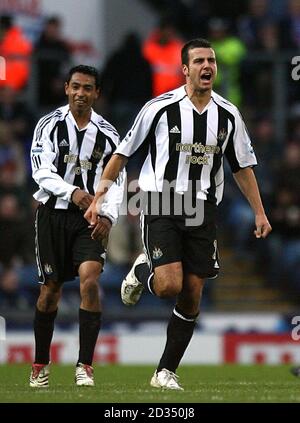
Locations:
{"points": [[126, 83], [15, 244], [12, 163], [230, 51], [163, 49], [53, 58], [14, 110], [284, 248], [290, 25], [250, 23], [16, 49]]}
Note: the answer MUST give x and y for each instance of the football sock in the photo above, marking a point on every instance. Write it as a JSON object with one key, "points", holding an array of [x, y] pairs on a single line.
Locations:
{"points": [[142, 272], [43, 326], [179, 333], [89, 326]]}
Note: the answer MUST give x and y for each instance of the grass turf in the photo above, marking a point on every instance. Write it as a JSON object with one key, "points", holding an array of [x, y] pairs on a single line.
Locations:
{"points": [[130, 384]]}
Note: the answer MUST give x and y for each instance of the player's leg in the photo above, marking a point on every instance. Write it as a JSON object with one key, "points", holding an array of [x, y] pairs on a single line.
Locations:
{"points": [[45, 314], [160, 269], [182, 322], [179, 332], [50, 293], [199, 261], [89, 321], [90, 310], [88, 257]]}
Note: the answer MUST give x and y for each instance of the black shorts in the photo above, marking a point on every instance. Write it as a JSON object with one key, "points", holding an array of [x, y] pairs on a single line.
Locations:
{"points": [[63, 241], [167, 239]]}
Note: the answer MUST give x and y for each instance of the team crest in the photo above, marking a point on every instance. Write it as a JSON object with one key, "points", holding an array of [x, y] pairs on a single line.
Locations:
{"points": [[222, 134], [48, 269], [157, 253], [97, 153]]}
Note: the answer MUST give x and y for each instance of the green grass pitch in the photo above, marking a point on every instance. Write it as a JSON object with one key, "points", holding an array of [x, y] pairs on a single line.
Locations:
{"points": [[130, 384]]}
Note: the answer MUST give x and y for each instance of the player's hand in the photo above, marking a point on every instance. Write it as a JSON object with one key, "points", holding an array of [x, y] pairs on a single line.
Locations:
{"points": [[91, 214], [82, 199], [263, 227], [102, 228]]}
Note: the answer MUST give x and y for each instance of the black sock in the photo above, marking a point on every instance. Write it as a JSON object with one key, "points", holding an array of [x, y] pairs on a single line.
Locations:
{"points": [[43, 325], [179, 333], [89, 326], [142, 272]]}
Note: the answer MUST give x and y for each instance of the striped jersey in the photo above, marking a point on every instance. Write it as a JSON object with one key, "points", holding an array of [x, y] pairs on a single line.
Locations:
{"points": [[185, 147], [64, 158]]}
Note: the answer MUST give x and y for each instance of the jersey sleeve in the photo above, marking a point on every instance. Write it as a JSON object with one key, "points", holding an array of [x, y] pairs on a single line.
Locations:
{"points": [[43, 156], [239, 151], [138, 132], [113, 199]]}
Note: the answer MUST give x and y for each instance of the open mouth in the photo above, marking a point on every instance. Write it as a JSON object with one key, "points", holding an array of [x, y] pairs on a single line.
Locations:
{"points": [[206, 76]]}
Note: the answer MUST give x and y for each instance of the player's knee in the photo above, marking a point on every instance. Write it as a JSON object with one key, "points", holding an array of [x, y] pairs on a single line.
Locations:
{"points": [[49, 297], [167, 288]]}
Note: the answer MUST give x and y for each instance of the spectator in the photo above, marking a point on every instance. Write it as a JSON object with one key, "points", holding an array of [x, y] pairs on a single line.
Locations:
{"points": [[257, 84], [15, 249], [162, 49], [53, 56], [15, 240], [15, 111], [12, 161], [290, 26], [239, 216], [126, 82], [250, 23], [16, 50], [230, 52], [284, 247]]}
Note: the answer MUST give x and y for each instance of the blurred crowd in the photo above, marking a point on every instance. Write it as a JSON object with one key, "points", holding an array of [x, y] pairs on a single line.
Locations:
{"points": [[252, 41]]}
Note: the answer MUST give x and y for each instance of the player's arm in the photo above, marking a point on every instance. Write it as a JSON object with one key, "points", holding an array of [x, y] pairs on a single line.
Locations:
{"points": [[43, 157], [129, 145], [247, 183], [241, 157], [111, 172]]}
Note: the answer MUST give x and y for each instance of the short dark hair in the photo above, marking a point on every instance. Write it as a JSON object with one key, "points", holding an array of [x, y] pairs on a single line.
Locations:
{"points": [[86, 70], [196, 43]]}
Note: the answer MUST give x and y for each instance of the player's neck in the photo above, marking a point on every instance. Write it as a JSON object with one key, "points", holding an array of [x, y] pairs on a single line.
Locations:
{"points": [[199, 98], [82, 118]]}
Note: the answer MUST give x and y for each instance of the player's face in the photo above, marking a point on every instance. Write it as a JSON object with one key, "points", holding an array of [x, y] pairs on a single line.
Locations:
{"points": [[201, 71], [82, 92]]}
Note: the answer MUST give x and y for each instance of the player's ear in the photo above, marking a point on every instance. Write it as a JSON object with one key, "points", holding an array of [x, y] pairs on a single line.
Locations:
{"points": [[185, 70], [66, 88]]}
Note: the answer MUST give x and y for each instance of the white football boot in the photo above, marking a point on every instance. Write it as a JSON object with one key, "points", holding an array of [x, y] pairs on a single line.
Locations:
{"points": [[165, 379], [132, 288], [84, 375], [39, 376]]}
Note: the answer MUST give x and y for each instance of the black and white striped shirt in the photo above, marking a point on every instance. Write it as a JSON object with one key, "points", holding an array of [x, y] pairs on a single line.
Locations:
{"points": [[64, 158], [185, 145]]}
